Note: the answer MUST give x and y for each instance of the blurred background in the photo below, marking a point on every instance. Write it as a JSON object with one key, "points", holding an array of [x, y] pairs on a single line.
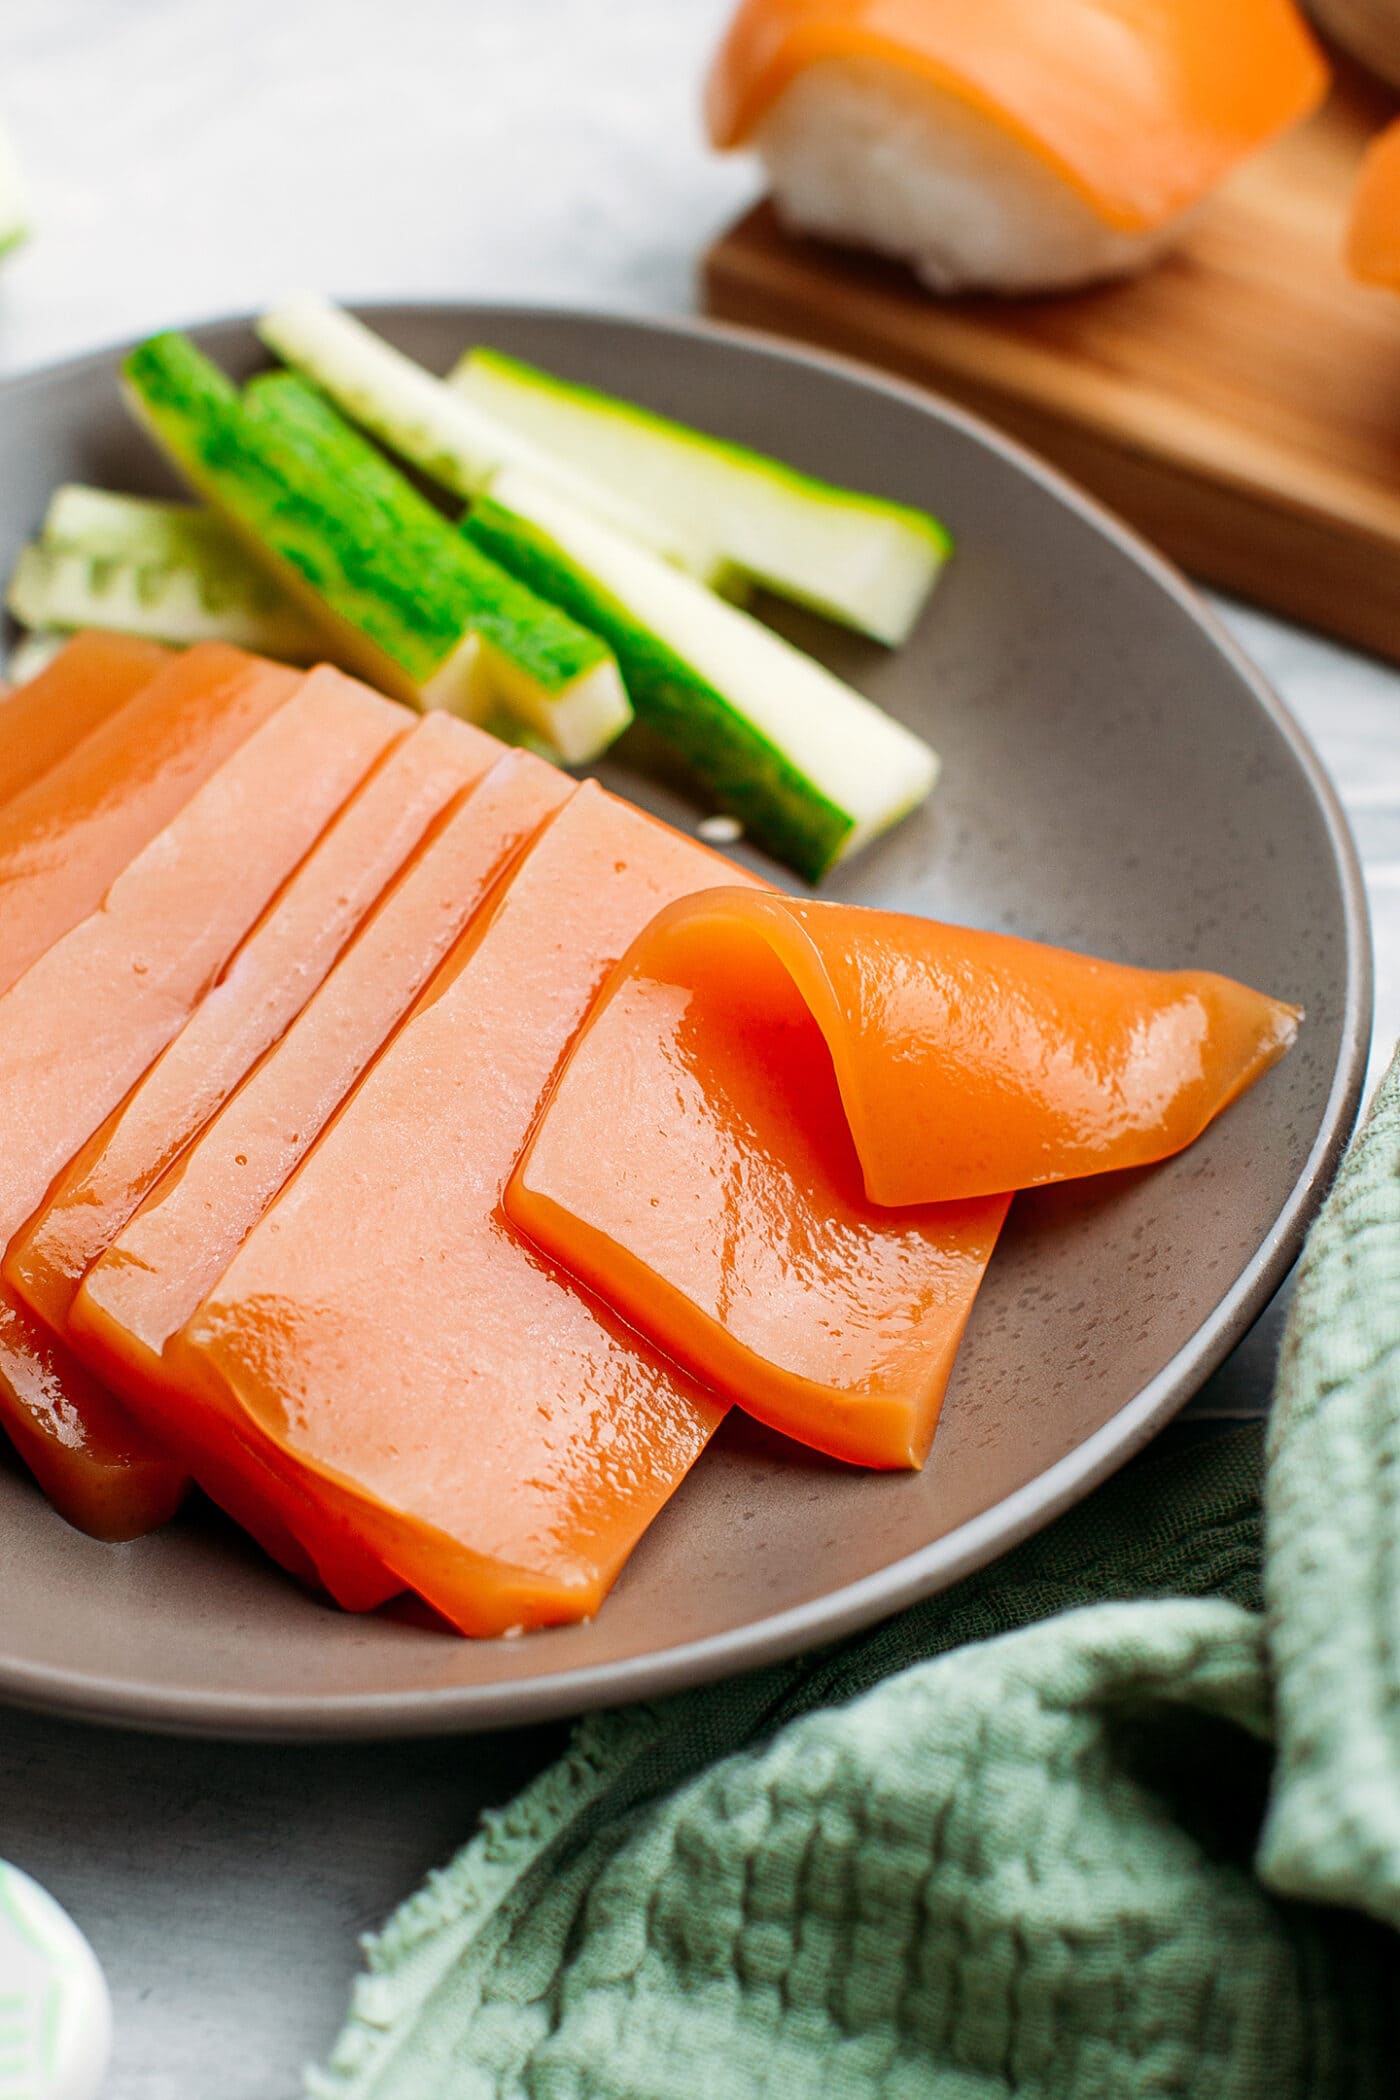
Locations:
{"points": [[192, 156]]}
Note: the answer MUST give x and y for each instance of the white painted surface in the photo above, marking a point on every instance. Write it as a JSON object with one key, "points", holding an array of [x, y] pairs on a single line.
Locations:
{"points": [[189, 157]]}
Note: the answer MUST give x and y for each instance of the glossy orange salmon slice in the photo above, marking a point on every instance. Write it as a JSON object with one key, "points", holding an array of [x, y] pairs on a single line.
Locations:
{"points": [[498, 1438], [814, 1114], [101, 1003], [90, 679], [275, 971], [67, 836], [153, 727], [183, 1238]]}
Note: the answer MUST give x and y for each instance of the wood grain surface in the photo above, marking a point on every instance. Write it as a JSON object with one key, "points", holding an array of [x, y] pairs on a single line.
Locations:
{"points": [[1240, 403]]}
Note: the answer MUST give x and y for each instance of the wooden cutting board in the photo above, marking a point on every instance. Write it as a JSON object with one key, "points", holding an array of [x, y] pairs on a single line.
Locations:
{"points": [[1240, 404]]}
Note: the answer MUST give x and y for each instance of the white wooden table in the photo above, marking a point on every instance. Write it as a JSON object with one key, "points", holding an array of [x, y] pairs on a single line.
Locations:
{"points": [[191, 157]]}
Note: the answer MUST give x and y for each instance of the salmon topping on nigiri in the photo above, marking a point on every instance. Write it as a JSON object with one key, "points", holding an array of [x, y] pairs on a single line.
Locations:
{"points": [[1140, 106]]}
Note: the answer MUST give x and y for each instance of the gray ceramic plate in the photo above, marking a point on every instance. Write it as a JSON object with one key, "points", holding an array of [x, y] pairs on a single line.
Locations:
{"points": [[1116, 779]]}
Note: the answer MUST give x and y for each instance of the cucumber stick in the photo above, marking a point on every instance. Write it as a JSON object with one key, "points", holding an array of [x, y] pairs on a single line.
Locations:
{"points": [[812, 770], [409, 602], [861, 560], [136, 528], [163, 570], [450, 439], [14, 199], [166, 602], [556, 677]]}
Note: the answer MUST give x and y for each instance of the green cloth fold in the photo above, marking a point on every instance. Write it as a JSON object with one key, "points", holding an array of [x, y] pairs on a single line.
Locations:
{"points": [[1332, 1568], [1008, 1843]]}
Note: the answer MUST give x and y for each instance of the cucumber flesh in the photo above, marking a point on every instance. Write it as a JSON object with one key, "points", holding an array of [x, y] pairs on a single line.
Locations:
{"points": [[450, 439], [812, 769], [135, 528], [169, 571], [181, 602], [408, 602], [14, 199], [865, 562]]}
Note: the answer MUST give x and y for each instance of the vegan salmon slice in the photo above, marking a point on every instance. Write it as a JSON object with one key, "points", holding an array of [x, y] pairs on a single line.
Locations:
{"points": [[90, 679], [274, 972], [815, 1114], [441, 1149], [182, 1239], [66, 838], [385, 1336], [153, 728], [101, 1003], [269, 979]]}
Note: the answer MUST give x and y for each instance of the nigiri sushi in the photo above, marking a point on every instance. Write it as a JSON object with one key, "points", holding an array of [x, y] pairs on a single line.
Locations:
{"points": [[1369, 29], [1373, 248], [1008, 145]]}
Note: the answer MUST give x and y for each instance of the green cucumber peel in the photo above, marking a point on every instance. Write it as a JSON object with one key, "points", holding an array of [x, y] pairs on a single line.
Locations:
{"points": [[413, 605], [865, 560], [774, 736], [198, 418], [545, 643], [597, 403], [776, 806], [447, 437]]}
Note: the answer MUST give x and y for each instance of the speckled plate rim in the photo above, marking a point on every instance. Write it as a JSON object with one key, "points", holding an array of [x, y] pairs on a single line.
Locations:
{"points": [[469, 1709]]}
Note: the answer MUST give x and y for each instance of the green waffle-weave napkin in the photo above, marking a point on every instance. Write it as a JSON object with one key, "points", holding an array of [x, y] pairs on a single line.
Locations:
{"points": [[1008, 1843], [1332, 1567]]}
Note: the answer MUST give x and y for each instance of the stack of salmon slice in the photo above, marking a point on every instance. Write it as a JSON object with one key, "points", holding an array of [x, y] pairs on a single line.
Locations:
{"points": [[420, 1150]]}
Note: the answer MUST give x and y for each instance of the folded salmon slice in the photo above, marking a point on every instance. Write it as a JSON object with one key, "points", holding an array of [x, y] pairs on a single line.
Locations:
{"points": [[65, 838], [814, 1113], [275, 971], [90, 679], [499, 1439], [180, 1242], [104, 1001]]}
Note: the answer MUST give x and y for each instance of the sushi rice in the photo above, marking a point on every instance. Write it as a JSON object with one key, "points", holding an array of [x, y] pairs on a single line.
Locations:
{"points": [[859, 152]]}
